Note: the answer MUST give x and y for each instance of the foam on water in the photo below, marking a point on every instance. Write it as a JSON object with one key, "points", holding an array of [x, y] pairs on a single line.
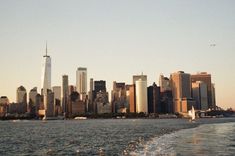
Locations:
{"points": [[208, 139]]}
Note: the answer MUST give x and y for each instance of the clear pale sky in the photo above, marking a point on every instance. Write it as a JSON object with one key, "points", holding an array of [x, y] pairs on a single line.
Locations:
{"points": [[115, 39]]}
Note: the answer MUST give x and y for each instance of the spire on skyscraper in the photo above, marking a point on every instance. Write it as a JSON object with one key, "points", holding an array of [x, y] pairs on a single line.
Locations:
{"points": [[46, 48], [46, 51]]}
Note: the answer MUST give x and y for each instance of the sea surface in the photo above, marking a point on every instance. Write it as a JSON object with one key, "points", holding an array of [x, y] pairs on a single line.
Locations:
{"points": [[118, 137]]}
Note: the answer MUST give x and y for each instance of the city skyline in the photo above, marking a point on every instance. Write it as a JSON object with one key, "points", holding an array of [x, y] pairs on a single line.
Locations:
{"points": [[115, 41]]}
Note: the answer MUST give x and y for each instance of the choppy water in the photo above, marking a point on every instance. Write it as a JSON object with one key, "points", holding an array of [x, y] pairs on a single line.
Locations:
{"points": [[208, 139], [109, 137]]}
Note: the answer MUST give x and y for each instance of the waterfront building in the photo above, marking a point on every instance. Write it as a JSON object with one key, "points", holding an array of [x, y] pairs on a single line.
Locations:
{"points": [[57, 100], [102, 103], [206, 78], [46, 73], [213, 96], [65, 94], [141, 95], [166, 102], [33, 101], [77, 105], [4, 103], [130, 95], [100, 86], [21, 99], [90, 96], [81, 82], [118, 98], [181, 89], [72, 89], [199, 94], [154, 105], [49, 103], [164, 83]]}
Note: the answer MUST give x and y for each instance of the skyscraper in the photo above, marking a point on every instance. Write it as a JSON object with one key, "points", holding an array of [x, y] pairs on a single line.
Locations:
{"points": [[199, 93], [33, 101], [46, 73], [213, 95], [154, 99], [130, 94], [81, 82], [205, 77], [21, 99], [118, 98], [90, 96], [181, 90], [65, 94], [141, 94], [57, 99], [164, 84]]}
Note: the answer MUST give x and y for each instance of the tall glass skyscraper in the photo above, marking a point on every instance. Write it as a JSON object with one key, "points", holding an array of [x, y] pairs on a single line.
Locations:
{"points": [[81, 82], [46, 73]]}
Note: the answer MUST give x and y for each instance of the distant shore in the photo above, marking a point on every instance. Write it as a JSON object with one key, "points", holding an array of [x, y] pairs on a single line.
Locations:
{"points": [[212, 114]]}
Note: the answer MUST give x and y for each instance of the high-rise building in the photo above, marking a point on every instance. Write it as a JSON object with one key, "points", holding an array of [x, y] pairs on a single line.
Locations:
{"points": [[72, 89], [57, 100], [137, 77], [205, 77], [140, 86], [181, 90], [100, 86], [77, 105], [33, 101], [141, 96], [21, 99], [164, 83], [90, 96], [101, 103], [65, 94], [199, 93], [46, 73], [213, 96], [81, 82], [154, 99], [130, 94], [49, 104], [4, 103], [118, 98]]}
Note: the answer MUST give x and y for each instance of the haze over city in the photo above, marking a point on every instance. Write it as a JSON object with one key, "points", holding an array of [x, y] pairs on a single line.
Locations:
{"points": [[116, 40]]}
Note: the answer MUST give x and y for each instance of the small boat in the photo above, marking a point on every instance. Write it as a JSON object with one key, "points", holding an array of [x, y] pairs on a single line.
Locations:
{"points": [[80, 118]]}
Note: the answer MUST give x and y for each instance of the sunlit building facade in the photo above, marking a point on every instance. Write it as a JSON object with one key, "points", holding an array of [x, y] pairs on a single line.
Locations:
{"points": [[81, 82]]}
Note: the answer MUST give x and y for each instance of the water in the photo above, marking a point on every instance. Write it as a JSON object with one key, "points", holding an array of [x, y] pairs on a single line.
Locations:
{"points": [[208, 139], [114, 137]]}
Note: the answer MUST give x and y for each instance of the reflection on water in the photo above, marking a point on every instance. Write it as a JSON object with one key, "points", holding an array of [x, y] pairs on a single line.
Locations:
{"points": [[116, 137], [210, 139]]}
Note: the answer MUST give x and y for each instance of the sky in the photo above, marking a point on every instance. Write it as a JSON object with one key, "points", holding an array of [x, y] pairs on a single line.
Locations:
{"points": [[116, 39]]}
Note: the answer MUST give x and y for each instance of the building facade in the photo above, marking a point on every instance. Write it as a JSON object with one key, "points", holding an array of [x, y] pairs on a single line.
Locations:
{"points": [[206, 78], [181, 89], [21, 99], [154, 105], [199, 94], [118, 98], [57, 100], [65, 94], [81, 82], [141, 96]]}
